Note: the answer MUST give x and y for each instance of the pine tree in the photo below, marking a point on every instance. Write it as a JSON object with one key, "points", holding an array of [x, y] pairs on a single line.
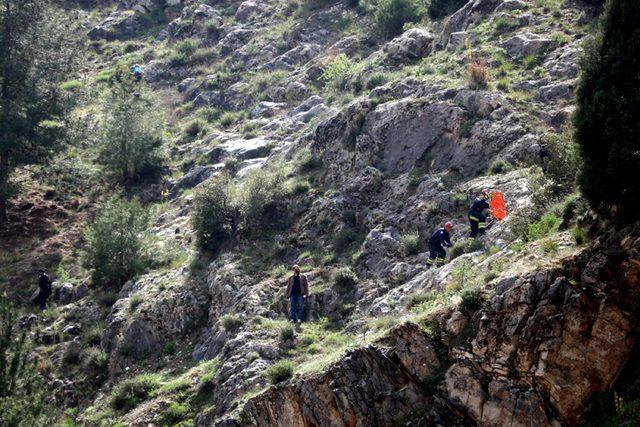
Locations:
{"points": [[21, 391], [35, 56], [131, 148], [607, 119]]}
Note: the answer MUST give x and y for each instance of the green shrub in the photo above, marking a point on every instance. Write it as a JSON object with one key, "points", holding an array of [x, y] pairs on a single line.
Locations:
{"points": [[421, 298], [410, 243], [346, 238], [214, 216], [440, 8], [176, 412], [261, 199], [391, 15], [464, 246], [463, 275], [471, 299], [170, 347], [184, 51], [337, 73], [94, 360], [530, 61], [503, 84], [135, 301], [195, 128], [287, 333], [305, 161], [579, 235], [116, 242], [230, 323], [130, 393], [71, 85], [563, 162], [280, 371], [549, 246], [345, 279], [499, 166], [547, 225], [22, 392], [107, 299], [377, 79], [209, 114]]}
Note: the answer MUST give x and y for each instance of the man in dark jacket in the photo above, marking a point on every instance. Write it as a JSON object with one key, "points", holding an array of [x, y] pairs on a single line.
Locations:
{"points": [[297, 291], [477, 216], [45, 288], [438, 240]]}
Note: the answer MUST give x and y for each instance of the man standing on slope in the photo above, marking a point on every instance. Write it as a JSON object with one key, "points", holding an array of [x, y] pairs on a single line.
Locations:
{"points": [[477, 216], [44, 283], [440, 238], [297, 291]]}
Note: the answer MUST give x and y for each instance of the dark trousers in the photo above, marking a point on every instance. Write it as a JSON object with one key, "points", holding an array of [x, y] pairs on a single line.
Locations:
{"points": [[478, 223], [437, 254], [295, 307], [42, 299]]}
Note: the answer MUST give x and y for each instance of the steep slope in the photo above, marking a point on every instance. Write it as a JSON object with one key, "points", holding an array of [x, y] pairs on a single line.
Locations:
{"points": [[384, 140]]}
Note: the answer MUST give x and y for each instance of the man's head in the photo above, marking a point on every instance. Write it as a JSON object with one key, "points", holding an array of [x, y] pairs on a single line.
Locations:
{"points": [[296, 269], [42, 271], [485, 193], [448, 225]]}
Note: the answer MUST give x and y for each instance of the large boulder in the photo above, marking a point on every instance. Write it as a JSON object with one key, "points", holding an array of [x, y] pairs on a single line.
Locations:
{"points": [[525, 44], [471, 13], [412, 44], [120, 25]]}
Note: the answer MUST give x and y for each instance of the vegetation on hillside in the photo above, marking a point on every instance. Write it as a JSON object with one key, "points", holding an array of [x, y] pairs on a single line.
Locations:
{"points": [[36, 58], [608, 107]]}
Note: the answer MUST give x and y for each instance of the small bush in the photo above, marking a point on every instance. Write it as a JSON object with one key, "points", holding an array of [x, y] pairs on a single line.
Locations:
{"points": [[130, 393], [499, 166], [280, 371], [345, 279], [135, 301], [230, 323], [377, 79], [579, 235], [547, 225], [116, 242], [463, 275], [214, 217], [503, 84], [71, 354], [170, 347], [477, 75], [195, 128], [71, 85], [107, 299], [305, 161], [530, 61], [471, 299], [345, 238], [287, 333], [421, 298], [410, 243], [176, 412], [549, 246], [94, 359], [465, 246], [391, 15], [337, 73]]}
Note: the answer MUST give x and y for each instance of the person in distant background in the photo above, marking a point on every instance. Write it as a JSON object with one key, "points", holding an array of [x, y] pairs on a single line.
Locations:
{"points": [[438, 240], [44, 282], [137, 72], [297, 291]]}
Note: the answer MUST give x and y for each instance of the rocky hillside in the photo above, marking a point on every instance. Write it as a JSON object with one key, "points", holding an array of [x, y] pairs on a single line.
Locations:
{"points": [[380, 138]]}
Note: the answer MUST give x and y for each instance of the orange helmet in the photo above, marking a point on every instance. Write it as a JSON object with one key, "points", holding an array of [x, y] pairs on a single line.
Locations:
{"points": [[448, 225]]}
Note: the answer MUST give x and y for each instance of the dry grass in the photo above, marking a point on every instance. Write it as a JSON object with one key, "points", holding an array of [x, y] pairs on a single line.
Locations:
{"points": [[477, 74]]}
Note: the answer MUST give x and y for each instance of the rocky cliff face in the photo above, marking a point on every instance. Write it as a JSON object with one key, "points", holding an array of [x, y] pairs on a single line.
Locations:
{"points": [[540, 347]]}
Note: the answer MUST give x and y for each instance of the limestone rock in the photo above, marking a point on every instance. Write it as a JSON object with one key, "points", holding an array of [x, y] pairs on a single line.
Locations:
{"points": [[412, 44]]}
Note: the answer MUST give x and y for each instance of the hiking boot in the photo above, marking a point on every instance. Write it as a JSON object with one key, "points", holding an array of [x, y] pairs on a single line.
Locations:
{"points": [[299, 321]]}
